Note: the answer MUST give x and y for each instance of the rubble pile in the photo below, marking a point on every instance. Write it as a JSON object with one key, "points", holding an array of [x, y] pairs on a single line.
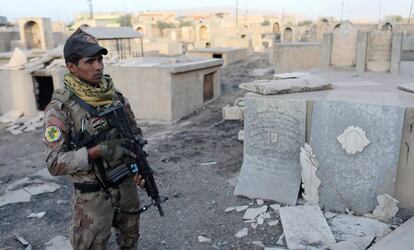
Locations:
{"points": [[16, 123]]}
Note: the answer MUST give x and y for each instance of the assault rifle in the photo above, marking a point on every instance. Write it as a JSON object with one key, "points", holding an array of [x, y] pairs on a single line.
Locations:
{"points": [[119, 120]]}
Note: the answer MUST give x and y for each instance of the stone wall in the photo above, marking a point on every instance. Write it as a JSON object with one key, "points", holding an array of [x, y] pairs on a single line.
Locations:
{"points": [[379, 51], [297, 56], [6, 38]]}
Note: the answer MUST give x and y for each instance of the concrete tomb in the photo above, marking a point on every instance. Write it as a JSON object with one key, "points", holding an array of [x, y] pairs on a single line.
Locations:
{"points": [[283, 86], [274, 132], [349, 179], [305, 226], [228, 55]]}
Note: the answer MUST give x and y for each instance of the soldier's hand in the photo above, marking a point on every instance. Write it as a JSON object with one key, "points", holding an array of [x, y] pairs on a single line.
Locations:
{"points": [[139, 181], [113, 150]]}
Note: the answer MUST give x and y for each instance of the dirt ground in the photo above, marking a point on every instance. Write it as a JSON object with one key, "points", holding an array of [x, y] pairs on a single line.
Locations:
{"points": [[198, 194]]}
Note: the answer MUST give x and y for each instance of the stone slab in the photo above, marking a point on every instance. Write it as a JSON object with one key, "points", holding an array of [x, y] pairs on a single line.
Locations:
{"points": [[284, 86], [401, 238], [349, 227], [405, 172], [409, 87], [305, 226], [58, 242], [274, 132], [353, 181], [15, 196]]}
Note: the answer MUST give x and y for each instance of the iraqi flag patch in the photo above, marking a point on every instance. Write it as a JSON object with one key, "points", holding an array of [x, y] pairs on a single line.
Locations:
{"points": [[52, 133]]}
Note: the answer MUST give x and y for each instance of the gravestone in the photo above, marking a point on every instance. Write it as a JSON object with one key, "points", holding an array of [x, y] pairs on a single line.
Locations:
{"points": [[344, 45], [274, 132], [352, 179], [305, 226]]}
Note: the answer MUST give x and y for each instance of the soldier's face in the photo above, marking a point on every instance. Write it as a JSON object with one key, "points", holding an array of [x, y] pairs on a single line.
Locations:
{"points": [[89, 69]]}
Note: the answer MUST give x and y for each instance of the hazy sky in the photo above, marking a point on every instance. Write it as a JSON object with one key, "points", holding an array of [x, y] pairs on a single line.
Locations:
{"points": [[65, 9]]}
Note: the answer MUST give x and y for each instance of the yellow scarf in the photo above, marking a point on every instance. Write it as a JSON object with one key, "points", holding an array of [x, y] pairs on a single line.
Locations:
{"points": [[95, 96]]}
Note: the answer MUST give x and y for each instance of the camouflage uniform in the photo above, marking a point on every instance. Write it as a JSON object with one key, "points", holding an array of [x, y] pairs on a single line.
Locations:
{"points": [[94, 213]]}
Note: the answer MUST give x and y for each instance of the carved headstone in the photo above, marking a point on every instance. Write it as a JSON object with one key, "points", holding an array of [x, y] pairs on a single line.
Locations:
{"points": [[353, 181], [274, 132]]}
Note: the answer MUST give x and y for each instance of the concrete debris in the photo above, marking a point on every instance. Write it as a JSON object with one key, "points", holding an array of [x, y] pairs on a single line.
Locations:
{"points": [[58, 242], [310, 181], [15, 196], [56, 64], [259, 202], [254, 225], [22, 240], [281, 241], [229, 209], [17, 61], [241, 208], [25, 124], [400, 238], [242, 233], [258, 243], [240, 135], [360, 243], [203, 239], [11, 116], [386, 209], [276, 87], [260, 220], [249, 221], [305, 226], [347, 227], [36, 215], [262, 72], [274, 248], [273, 223], [252, 213], [275, 207], [42, 188], [330, 215], [232, 113], [208, 163], [291, 75]]}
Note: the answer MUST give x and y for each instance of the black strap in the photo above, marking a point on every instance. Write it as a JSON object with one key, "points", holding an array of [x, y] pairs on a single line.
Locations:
{"points": [[87, 187], [89, 108]]}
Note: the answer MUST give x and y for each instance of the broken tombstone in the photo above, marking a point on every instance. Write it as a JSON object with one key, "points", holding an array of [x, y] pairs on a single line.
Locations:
{"points": [[203, 239], [386, 209], [400, 238], [274, 130], [353, 180], [305, 226], [310, 181], [360, 243], [347, 227]]}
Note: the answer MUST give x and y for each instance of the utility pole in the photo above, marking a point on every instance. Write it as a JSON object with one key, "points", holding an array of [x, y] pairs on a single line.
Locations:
{"points": [[342, 11], [411, 12], [237, 13], [380, 11], [90, 9]]}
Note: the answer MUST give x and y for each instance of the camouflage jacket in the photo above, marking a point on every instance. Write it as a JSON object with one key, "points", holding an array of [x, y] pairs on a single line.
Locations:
{"points": [[63, 119]]}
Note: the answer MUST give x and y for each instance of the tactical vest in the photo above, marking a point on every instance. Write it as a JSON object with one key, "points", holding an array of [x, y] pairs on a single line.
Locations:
{"points": [[82, 122]]}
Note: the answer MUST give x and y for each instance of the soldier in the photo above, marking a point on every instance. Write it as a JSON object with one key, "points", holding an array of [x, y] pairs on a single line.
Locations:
{"points": [[98, 204]]}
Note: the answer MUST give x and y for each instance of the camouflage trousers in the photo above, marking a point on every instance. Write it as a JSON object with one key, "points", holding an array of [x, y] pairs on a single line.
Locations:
{"points": [[94, 216]]}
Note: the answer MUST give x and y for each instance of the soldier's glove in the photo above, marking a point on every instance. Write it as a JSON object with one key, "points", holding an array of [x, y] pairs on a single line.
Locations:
{"points": [[114, 150]]}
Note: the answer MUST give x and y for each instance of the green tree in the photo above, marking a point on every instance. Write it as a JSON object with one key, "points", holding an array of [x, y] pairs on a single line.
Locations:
{"points": [[163, 25], [125, 21], [265, 23]]}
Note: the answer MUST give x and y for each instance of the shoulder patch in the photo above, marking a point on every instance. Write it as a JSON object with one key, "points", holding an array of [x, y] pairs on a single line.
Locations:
{"points": [[52, 133]]}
